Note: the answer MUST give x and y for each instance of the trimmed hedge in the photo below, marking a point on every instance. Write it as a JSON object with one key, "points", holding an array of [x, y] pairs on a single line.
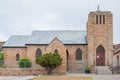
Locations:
{"points": [[25, 63]]}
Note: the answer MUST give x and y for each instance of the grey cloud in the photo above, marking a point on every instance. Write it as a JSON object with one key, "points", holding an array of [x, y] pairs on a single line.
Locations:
{"points": [[24, 16]]}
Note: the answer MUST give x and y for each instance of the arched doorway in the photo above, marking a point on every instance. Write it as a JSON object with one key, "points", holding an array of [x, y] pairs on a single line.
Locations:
{"points": [[67, 58], [100, 56]]}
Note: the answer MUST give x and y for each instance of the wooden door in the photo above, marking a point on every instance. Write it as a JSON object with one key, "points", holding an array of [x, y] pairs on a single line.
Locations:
{"points": [[100, 59]]}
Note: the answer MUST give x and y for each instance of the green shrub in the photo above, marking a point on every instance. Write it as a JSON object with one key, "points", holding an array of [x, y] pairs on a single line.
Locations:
{"points": [[49, 61], [25, 63], [1, 56], [87, 70], [3, 66]]}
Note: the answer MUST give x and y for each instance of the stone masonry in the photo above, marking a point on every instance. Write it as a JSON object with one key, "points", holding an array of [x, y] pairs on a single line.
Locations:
{"points": [[100, 34]]}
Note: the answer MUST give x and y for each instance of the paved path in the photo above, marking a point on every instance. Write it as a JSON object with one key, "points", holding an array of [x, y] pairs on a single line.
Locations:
{"points": [[15, 77], [99, 77], [106, 77]]}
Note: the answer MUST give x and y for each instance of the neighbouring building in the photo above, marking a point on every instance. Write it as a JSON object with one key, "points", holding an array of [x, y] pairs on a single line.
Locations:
{"points": [[1, 44], [116, 56], [78, 48]]}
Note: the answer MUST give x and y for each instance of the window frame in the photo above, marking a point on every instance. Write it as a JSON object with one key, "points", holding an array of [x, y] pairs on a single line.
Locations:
{"points": [[38, 53], [17, 57], [78, 54]]}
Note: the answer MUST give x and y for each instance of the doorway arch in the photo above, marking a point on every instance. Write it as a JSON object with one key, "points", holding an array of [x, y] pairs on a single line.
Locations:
{"points": [[100, 56]]}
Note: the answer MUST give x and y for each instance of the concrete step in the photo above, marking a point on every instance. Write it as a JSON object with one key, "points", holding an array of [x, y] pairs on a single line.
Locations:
{"points": [[103, 70]]}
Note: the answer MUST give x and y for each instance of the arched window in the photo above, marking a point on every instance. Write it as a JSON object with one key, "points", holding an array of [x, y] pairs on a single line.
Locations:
{"points": [[103, 19], [38, 53], [56, 51], [78, 54], [100, 19], [96, 19], [17, 57], [100, 49]]}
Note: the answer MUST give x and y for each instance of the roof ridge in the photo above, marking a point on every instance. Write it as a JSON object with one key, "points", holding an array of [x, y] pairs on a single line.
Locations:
{"points": [[59, 30], [20, 35], [37, 31]]}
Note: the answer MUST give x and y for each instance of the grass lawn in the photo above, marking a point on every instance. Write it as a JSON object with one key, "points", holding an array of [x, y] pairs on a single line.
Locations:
{"points": [[61, 78]]}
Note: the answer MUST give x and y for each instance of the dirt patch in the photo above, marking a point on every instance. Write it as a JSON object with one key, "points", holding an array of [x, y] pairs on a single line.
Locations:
{"points": [[61, 78]]}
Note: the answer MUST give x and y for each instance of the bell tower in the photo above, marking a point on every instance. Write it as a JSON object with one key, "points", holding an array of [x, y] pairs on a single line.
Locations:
{"points": [[100, 38]]}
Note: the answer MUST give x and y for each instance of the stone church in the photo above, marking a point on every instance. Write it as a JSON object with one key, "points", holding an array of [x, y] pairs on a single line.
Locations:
{"points": [[77, 48]]}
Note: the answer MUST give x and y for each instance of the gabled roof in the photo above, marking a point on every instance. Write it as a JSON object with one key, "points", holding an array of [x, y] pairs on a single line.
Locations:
{"points": [[65, 36], [16, 41], [45, 37], [53, 42]]}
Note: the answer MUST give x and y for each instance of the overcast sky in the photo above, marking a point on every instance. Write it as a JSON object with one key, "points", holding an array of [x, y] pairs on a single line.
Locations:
{"points": [[21, 17]]}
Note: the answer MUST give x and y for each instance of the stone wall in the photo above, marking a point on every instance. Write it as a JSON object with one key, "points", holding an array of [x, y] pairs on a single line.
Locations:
{"points": [[73, 65], [30, 52], [72, 51], [10, 56], [21, 71], [77, 66]]}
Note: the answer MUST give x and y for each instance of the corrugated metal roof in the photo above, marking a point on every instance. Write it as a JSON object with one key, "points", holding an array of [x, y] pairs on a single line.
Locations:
{"points": [[45, 37]]}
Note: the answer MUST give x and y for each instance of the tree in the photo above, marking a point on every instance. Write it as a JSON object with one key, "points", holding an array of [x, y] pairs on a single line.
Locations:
{"points": [[24, 63], [49, 61]]}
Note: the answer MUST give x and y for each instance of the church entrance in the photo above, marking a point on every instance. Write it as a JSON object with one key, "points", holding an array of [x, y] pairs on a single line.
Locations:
{"points": [[100, 56]]}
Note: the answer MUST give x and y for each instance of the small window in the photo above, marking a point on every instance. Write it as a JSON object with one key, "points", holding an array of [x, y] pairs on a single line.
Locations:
{"points": [[17, 57], [100, 19], [38, 53], [96, 19], [103, 19], [78, 54], [56, 51]]}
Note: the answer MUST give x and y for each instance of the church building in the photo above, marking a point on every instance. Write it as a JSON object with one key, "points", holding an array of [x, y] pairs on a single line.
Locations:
{"points": [[77, 48]]}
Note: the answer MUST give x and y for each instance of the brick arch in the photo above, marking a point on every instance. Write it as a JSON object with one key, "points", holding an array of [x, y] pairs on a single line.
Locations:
{"points": [[100, 49], [100, 56]]}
